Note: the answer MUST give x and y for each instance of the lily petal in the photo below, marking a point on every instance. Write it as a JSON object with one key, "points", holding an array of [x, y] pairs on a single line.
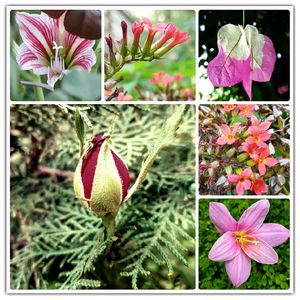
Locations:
{"points": [[221, 217], [238, 269], [273, 234], [261, 252], [254, 216], [27, 60], [38, 34], [225, 248]]}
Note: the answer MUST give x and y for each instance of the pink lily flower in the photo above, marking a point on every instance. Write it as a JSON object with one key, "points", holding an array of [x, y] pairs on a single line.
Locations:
{"points": [[247, 239], [253, 150], [49, 49], [258, 186], [243, 182], [228, 136], [246, 111], [263, 160]]}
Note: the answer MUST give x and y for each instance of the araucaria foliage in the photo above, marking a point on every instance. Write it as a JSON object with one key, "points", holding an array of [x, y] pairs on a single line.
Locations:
{"points": [[59, 243]]}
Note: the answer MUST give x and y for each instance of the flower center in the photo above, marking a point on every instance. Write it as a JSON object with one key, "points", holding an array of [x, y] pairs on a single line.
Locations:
{"points": [[229, 136], [243, 238], [57, 63], [261, 160]]}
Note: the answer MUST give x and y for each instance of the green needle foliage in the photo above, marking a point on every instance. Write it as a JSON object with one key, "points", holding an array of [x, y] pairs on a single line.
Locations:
{"points": [[57, 243]]}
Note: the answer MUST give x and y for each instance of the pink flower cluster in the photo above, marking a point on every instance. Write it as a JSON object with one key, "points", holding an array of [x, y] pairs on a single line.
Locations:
{"points": [[166, 83], [254, 148]]}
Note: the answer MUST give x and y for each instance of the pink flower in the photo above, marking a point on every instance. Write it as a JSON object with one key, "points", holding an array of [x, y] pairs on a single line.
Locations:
{"points": [[258, 131], [242, 181], [124, 97], [48, 49], [251, 149], [229, 107], [177, 77], [168, 34], [247, 239], [152, 30], [246, 111], [187, 94], [137, 30], [178, 38], [258, 186], [228, 135], [262, 160]]}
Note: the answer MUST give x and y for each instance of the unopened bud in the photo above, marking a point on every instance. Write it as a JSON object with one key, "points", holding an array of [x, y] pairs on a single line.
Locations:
{"points": [[101, 179]]}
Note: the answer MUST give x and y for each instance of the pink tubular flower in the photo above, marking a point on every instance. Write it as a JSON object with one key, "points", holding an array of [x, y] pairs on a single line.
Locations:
{"points": [[178, 38], [229, 107], [247, 239], [187, 94], [262, 160], [152, 30], [243, 182], [228, 135], [246, 111], [258, 186], [137, 30], [168, 34], [49, 49]]}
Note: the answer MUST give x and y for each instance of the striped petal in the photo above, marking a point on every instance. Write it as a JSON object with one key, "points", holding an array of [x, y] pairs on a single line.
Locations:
{"points": [[27, 60], [38, 34], [79, 53]]}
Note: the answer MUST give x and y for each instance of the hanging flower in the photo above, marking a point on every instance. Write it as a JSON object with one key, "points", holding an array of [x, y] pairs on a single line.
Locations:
{"points": [[101, 178], [48, 49], [247, 239]]}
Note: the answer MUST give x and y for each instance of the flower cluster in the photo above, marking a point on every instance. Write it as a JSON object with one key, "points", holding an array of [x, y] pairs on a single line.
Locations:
{"points": [[171, 86], [254, 148], [241, 146], [160, 39]]}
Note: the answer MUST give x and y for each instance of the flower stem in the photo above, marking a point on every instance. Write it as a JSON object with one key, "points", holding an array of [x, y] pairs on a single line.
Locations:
{"points": [[166, 136], [243, 18], [109, 223], [38, 91]]}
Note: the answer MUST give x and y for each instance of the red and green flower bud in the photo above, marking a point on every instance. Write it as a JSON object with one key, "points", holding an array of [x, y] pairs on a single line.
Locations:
{"points": [[101, 179], [112, 56], [124, 49], [137, 30]]}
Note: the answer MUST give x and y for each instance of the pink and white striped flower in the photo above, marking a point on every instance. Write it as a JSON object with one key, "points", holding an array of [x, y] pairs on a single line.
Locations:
{"points": [[48, 49]]}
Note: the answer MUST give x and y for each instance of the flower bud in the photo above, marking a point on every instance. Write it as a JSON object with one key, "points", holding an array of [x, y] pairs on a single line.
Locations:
{"points": [[112, 56], [124, 50], [101, 179]]}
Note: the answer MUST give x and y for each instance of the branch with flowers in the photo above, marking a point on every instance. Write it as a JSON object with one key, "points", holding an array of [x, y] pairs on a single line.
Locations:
{"points": [[244, 149], [145, 42]]}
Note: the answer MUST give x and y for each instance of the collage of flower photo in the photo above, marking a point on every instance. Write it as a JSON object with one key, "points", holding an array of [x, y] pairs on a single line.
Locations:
{"points": [[151, 149]]}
